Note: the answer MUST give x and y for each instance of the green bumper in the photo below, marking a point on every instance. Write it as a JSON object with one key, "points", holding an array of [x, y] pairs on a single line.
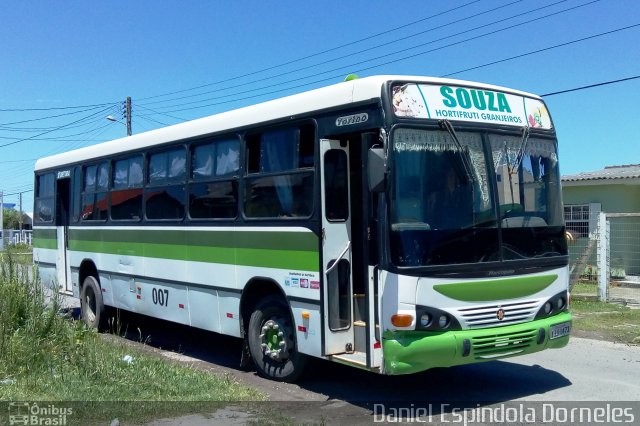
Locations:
{"points": [[408, 352]]}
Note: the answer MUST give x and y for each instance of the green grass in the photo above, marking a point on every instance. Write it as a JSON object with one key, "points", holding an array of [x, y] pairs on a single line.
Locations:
{"points": [[45, 356], [585, 288], [21, 254], [606, 320]]}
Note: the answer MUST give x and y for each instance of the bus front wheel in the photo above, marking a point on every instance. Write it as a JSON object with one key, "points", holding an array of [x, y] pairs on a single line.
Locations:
{"points": [[271, 339], [91, 304]]}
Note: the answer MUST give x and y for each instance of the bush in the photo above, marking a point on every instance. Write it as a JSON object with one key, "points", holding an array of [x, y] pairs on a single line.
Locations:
{"points": [[35, 339]]}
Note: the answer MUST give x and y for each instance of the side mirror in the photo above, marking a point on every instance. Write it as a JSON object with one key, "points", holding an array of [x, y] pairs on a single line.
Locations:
{"points": [[376, 169]]}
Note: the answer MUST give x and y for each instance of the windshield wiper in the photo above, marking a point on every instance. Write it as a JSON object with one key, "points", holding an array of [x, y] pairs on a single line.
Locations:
{"points": [[521, 151], [446, 124], [513, 168]]}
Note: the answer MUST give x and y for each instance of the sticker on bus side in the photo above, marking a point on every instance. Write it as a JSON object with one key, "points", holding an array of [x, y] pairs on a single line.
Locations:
{"points": [[438, 102]]}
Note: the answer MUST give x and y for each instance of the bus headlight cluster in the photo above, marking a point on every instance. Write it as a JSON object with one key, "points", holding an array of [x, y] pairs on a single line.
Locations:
{"points": [[554, 305], [433, 319]]}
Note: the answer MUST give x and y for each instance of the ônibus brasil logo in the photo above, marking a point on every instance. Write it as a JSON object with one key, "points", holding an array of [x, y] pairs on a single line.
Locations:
{"points": [[27, 414]]}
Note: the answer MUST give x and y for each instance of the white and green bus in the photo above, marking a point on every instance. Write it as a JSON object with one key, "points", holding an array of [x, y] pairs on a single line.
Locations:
{"points": [[392, 223]]}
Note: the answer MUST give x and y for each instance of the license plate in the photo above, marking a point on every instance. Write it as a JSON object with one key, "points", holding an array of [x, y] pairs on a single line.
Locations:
{"points": [[559, 330]]}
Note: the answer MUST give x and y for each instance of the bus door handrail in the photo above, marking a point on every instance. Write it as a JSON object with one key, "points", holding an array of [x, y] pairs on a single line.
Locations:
{"points": [[340, 256]]}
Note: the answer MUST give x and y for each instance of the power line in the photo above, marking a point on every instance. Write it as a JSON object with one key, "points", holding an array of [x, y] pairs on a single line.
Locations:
{"points": [[591, 86], [38, 129], [19, 192], [53, 108], [17, 161], [148, 118], [314, 54], [448, 24], [160, 113], [379, 57], [544, 49], [49, 117], [58, 128]]}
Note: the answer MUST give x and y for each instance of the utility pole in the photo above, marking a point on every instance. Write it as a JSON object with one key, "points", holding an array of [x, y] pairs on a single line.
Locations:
{"points": [[128, 114], [20, 212], [1, 220]]}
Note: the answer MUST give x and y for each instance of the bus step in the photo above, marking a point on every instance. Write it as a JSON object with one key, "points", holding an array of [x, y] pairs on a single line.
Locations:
{"points": [[358, 359], [358, 307], [360, 335]]}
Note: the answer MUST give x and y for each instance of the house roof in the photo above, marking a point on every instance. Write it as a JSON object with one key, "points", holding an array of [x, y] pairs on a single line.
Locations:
{"points": [[628, 171]]}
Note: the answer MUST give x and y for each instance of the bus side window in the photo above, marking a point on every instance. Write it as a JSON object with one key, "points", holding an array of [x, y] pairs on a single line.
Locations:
{"points": [[213, 187], [165, 195], [94, 194], [280, 167], [126, 195]]}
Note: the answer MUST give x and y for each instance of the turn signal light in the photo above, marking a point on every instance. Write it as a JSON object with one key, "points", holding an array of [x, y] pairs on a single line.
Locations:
{"points": [[402, 320], [306, 315]]}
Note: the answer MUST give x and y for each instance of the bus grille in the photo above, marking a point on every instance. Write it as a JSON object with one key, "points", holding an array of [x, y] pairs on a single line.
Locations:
{"points": [[486, 316], [502, 344]]}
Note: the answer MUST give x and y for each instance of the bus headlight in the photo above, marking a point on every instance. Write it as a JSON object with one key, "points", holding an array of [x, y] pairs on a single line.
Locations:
{"points": [[443, 321], [547, 308], [425, 320]]}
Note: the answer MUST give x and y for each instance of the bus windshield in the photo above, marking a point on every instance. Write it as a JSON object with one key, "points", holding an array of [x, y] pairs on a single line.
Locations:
{"points": [[473, 196]]}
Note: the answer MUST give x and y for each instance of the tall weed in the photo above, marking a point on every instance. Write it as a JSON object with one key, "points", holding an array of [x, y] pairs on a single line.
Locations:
{"points": [[35, 338]]}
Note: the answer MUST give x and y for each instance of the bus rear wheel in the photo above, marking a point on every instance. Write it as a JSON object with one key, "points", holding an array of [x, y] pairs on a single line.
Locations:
{"points": [[271, 339], [91, 304]]}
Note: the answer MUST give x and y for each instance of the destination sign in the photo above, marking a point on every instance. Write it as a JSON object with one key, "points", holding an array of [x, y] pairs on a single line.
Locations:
{"points": [[438, 102]]}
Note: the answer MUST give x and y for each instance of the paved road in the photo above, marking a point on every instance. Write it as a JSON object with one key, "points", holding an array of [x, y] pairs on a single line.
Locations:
{"points": [[586, 370]]}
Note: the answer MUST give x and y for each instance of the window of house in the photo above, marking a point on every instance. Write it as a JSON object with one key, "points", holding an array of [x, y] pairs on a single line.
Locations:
{"points": [[280, 167], [581, 219]]}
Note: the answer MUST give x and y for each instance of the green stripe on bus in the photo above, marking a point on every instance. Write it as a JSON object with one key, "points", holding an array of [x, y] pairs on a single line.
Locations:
{"points": [[272, 240], [45, 238], [284, 250], [510, 288]]}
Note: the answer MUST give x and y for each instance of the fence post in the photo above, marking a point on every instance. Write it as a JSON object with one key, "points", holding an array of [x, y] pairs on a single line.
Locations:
{"points": [[603, 256]]}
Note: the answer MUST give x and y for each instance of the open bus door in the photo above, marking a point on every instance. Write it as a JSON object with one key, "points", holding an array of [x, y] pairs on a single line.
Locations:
{"points": [[63, 204], [336, 248]]}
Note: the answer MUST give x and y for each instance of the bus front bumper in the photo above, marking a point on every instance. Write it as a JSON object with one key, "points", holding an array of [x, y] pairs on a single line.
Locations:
{"points": [[411, 351]]}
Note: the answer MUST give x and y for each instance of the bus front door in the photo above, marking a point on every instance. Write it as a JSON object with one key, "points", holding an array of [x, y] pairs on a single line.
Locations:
{"points": [[336, 248], [63, 196]]}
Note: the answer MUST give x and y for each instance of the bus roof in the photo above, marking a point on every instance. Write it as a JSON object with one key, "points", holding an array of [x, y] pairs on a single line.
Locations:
{"points": [[342, 93]]}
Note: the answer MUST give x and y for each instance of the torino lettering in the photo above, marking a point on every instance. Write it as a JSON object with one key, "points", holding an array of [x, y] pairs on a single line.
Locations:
{"points": [[479, 99]]}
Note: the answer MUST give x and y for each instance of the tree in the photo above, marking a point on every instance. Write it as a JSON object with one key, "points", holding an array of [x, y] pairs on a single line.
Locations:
{"points": [[11, 219]]}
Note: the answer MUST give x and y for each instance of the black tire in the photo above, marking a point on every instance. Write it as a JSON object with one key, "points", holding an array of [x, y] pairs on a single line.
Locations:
{"points": [[91, 305], [287, 364]]}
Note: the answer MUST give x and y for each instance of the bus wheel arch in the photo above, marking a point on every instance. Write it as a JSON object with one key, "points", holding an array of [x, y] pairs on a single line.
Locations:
{"points": [[92, 309], [269, 331], [87, 268]]}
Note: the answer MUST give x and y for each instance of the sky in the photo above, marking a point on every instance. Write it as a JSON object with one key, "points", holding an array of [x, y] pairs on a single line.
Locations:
{"points": [[182, 60]]}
